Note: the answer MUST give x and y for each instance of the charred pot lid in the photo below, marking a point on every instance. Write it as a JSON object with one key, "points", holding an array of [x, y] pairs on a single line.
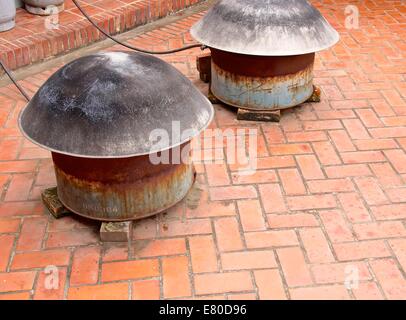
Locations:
{"points": [[110, 105], [265, 28]]}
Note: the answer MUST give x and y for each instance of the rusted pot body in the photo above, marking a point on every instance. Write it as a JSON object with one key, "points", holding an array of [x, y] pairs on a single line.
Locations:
{"points": [[7, 15], [44, 7], [263, 51], [121, 189], [119, 126], [261, 83]]}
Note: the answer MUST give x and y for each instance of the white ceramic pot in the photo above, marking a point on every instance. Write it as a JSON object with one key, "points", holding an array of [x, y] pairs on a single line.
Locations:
{"points": [[44, 7], [7, 15]]}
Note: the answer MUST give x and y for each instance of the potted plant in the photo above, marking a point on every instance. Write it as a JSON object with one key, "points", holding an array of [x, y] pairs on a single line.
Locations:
{"points": [[7, 15], [44, 7]]}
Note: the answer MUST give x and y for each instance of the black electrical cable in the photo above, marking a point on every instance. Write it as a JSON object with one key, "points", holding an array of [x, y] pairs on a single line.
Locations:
{"points": [[129, 46], [26, 96]]}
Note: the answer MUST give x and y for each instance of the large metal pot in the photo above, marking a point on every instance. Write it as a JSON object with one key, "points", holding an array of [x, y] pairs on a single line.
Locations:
{"points": [[263, 51], [7, 15], [99, 114], [44, 7]]}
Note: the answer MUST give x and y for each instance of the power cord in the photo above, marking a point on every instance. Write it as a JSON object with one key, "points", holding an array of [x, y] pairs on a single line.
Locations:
{"points": [[26, 96], [129, 46]]}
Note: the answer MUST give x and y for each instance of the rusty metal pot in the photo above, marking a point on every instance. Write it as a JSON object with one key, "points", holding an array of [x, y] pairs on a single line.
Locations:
{"points": [[263, 51], [97, 115]]}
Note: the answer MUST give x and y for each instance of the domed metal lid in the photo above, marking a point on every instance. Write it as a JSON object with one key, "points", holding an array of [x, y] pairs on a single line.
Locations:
{"points": [[107, 105], [265, 28]]}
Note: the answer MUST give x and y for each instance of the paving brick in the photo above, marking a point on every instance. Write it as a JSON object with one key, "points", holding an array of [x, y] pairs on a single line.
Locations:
{"points": [[275, 162], [369, 118], [251, 215], [107, 291], [292, 182], [354, 207], [248, 260], [17, 281], [379, 230], [175, 274], [398, 159], [7, 242], [375, 144], [330, 186], [306, 136], [311, 202], [294, 267], [322, 125], [228, 234], [40, 259], [399, 248], [159, 247], [310, 167], [346, 171], [47, 289], [203, 254], [326, 153], [361, 250], [223, 282], [367, 291], [217, 174], [260, 176], [242, 296], [371, 191], [232, 193], [32, 234], [292, 220], [145, 290], [16, 296], [337, 228], [389, 212], [9, 225], [362, 157], [386, 175], [334, 292], [316, 246], [183, 228], [342, 141], [290, 149], [272, 198], [270, 285], [389, 276], [355, 129], [338, 272], [267, 239], [127, 270], [85, 266], [19, 187], [71, 238]]}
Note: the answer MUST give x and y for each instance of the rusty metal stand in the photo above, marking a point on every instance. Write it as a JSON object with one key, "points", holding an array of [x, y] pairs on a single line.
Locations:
{"points": [[264, 116], [203, 63], [316, 96], [116, 231], [109, 231], [53, 204]]}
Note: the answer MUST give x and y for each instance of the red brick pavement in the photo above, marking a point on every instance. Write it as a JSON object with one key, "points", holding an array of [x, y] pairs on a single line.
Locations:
{"points": [[32, 41], [328, 202]]}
